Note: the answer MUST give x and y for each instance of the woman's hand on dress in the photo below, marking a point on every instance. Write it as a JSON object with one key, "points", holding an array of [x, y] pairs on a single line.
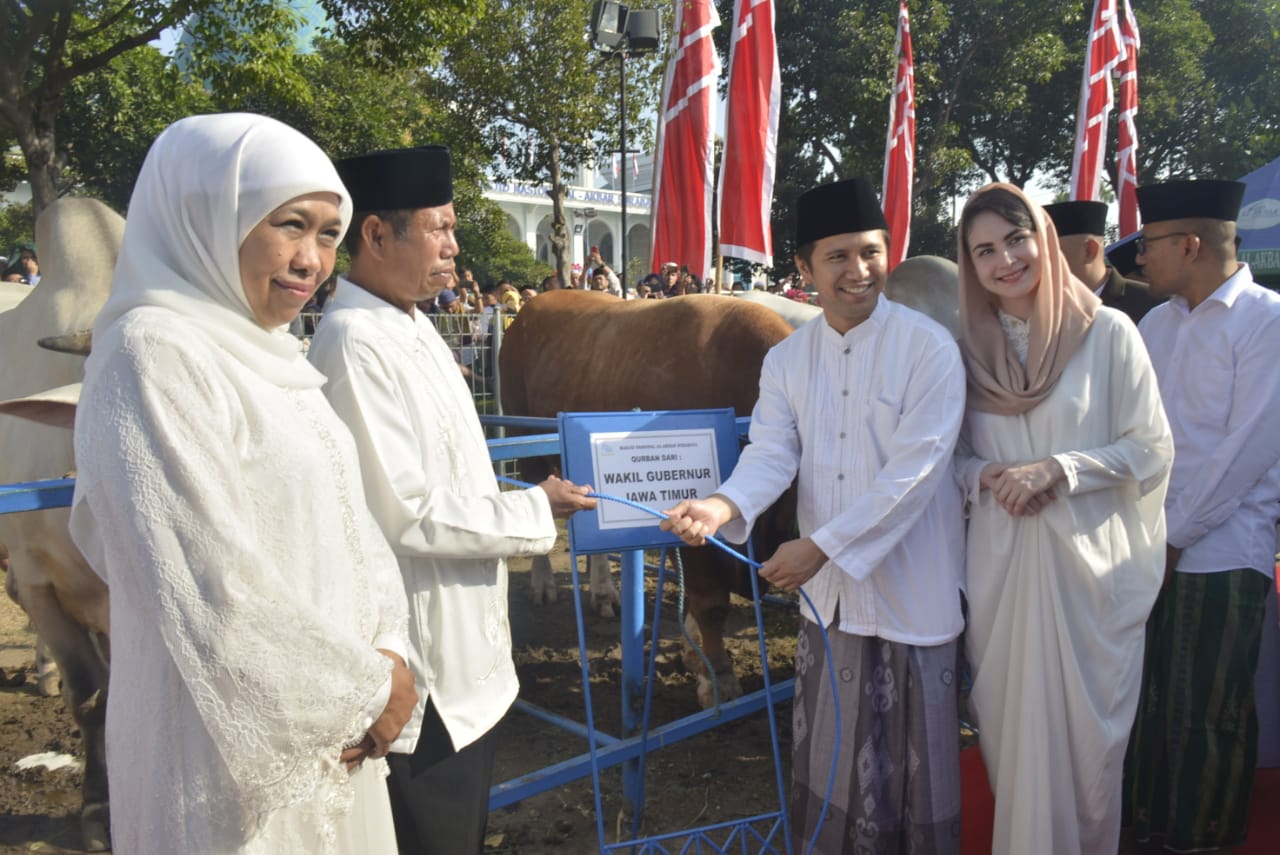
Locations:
{"points": [[399, 709], [357, 754], [1024, 489], [990, 475]]}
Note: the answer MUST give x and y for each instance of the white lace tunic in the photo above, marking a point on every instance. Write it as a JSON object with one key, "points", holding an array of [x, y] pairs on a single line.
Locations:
{"points": [[250, 589]]}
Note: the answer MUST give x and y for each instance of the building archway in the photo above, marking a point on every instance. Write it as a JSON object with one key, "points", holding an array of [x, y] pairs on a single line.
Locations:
{"points": [[639, 249], [513, 226]]}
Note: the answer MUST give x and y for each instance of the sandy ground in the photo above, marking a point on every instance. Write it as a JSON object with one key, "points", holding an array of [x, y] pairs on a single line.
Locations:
{"points": [[724, 774]]}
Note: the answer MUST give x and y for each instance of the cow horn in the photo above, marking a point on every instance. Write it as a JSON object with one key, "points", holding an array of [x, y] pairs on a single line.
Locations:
{"points": [[77, 342]]}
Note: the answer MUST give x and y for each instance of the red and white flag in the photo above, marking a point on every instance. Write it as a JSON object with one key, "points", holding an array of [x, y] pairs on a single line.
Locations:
{"points": [[1127, 149], [683, 168], [900, 147], [1097, 95], [614, 163], [635, 166], [750, 134]]}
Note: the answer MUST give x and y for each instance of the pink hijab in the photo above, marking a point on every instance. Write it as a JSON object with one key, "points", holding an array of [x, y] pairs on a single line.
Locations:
{"points": [[1064, 309]]}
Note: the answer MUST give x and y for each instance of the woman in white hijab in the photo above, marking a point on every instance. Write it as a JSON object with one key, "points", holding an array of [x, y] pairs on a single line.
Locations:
{"points": [[258, 619]]}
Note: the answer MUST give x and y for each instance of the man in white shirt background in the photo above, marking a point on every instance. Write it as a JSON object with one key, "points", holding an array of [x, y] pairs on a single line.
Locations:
{"points": [[863, 405], [1215, 346], [431, 488]]}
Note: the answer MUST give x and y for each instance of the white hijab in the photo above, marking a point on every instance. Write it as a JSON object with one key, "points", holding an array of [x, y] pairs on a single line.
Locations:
{"points": [[206, 183]]}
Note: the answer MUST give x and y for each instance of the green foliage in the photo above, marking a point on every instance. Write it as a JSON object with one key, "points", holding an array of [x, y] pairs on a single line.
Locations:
{"points": [[402, 33], [112, 115], [238, 47], [17, 225]]}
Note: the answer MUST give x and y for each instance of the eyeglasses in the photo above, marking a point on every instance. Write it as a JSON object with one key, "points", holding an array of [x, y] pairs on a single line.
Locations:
{"points": [[1141, 241]]}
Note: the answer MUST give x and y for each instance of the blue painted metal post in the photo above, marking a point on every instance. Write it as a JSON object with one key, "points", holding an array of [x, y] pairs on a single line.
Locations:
{"points": [[632, 671]]}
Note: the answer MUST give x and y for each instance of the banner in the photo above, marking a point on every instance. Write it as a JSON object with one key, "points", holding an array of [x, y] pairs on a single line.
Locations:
{"points": [[750, 135], [683, 168], [900, 146], [1097, 96], [1127, 149]]}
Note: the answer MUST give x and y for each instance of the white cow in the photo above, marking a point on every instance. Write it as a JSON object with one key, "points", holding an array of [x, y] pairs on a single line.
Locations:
{"points": [[928, 284], [65, 599], [793, 312]]}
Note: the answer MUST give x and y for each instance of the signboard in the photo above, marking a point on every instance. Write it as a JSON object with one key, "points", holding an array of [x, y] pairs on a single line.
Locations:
{"points": [[655, 459]]}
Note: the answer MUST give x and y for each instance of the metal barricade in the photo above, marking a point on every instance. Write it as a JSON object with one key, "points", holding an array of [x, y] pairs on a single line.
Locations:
{"points": [[474, 339]]}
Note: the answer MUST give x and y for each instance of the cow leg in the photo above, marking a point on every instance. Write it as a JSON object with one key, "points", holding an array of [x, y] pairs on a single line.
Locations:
{"points": [[84, 683], [605, 598], [542, 582], [46, 670], [704, 622]]}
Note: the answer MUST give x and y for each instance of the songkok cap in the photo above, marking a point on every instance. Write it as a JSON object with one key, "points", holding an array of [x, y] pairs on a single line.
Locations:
{"points": [[446, 297], [1180, 200], [1123, 254], [399, 179], [1078, 218], [837, 209]]}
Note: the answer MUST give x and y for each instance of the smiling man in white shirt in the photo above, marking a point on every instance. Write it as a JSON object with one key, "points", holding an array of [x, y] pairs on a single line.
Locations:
{"points": [[863, 406], [431, 488], [1215, 346]]}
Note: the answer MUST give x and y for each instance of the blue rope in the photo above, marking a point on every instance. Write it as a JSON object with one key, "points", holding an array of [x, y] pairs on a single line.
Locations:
{"points": [[817, 619]]}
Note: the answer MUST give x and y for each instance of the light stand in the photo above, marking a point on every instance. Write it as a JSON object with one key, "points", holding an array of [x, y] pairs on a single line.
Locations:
{"points": [[623, 32]]}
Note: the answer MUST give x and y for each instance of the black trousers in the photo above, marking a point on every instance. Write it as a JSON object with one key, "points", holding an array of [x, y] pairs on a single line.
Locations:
{"points": [[440, 797]]}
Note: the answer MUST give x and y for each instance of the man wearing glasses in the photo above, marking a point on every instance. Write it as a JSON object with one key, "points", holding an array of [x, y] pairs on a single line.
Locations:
{"points": [[1215, 346]]}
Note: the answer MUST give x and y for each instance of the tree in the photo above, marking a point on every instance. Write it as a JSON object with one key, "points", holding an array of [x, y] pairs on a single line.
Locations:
{"points": [[46, 46], [111, 116], [541, 101]]}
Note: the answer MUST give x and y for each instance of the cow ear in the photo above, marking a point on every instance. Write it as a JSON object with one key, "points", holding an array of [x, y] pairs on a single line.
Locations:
{"points": [[56, 407]]}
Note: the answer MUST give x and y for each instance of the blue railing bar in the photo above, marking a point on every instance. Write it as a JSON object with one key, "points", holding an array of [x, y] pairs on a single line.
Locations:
{"points": [[742, 422], [562, 773], [36, 495], [563, 723], [516, 447], [521, 422], [745, 829]]}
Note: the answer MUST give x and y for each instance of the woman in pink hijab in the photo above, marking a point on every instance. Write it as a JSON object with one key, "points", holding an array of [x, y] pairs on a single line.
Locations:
{"points": [[1064, 459]]}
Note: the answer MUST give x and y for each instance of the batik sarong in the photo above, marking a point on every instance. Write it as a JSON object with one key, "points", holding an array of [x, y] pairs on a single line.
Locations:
{"points": [[897, 770], [1189, 769]]}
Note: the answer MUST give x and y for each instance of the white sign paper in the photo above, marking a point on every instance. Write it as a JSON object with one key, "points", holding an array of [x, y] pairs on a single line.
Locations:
{"points": [[653, 468]]}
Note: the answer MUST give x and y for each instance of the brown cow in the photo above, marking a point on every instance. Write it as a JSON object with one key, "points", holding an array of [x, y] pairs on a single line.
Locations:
{"points": [[584, 351]]}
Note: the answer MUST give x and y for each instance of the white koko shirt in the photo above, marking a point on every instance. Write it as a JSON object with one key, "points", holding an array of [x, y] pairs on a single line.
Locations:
{"points": [[1219, 372], [431, 488], [869, 422]]}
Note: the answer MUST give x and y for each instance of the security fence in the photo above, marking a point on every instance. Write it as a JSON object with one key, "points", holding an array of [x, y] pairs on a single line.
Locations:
{"points": [[474, 339]]}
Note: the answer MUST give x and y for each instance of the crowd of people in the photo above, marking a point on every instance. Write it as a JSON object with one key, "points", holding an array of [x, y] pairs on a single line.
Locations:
{"points": [[306, 553]]}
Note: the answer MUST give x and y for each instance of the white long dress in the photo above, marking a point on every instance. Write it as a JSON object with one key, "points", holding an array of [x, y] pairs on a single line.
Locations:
{"points": [[1058, 601], [250, 589]]}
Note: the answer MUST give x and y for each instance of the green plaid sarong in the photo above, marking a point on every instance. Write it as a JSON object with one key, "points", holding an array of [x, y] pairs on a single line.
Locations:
{"points": [[1190, 763]]}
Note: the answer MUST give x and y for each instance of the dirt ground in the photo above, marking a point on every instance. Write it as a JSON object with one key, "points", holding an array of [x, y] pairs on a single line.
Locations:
{"points": [[720, 775]]}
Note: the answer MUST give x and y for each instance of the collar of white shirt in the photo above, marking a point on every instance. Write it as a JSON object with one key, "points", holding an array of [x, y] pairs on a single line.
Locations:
{"points": [[1226, 293], [349, 295]]}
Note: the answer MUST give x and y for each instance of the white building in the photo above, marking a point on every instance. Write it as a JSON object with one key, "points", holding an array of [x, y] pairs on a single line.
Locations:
{"points": [[593, 211]]}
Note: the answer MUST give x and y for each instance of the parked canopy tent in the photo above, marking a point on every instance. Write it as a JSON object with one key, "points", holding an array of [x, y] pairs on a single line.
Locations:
{"points": [[1259, 223]]}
